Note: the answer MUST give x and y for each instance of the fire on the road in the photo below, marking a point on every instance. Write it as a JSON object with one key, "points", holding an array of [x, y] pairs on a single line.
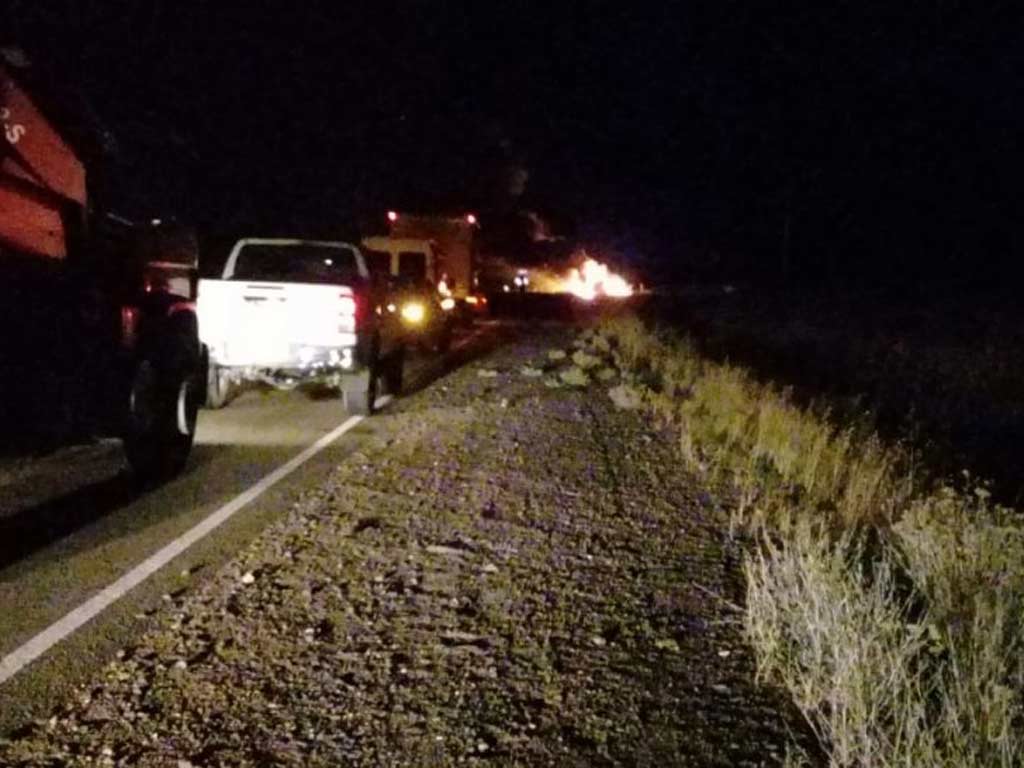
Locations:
{"points": [[594, 279], [589, 281]]}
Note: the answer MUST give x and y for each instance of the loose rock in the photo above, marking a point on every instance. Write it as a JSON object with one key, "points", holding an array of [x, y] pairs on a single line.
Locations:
{"points": [[574, 377], [585, 360], [625, 397]]}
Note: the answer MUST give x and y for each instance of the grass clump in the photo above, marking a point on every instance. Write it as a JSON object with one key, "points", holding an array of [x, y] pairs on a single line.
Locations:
{"points": [[889, 604]]}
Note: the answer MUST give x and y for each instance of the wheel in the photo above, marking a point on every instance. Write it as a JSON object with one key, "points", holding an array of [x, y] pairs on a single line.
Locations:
{"points": [[163, 402], [444, 339], [393, 372], [359, 393], [219, 387]]}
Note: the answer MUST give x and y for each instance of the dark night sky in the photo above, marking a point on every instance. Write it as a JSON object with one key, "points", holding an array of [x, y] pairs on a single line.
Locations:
{"points": [[879, 130]]}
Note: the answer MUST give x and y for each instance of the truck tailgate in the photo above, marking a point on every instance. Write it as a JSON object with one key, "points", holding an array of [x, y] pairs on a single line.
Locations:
{"points": [[268, 324]]}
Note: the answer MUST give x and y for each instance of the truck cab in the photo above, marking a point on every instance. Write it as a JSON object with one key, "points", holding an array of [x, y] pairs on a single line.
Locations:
{"points": [[453, 244], [425, 302]]}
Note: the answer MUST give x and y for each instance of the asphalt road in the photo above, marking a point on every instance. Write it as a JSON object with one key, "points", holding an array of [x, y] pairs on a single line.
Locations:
{"points": [[74, 523]]}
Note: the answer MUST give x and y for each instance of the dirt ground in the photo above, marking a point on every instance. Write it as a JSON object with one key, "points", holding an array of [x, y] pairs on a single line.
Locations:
{"points": [[518, 572]]}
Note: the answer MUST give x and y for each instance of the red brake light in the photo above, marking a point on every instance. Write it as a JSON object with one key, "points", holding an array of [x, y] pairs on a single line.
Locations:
{"points": [[392, 216], [354, 307], [129, 326]]}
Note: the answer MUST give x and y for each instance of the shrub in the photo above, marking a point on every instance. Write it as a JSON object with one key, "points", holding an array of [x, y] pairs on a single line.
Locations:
{"points": [[890, 607]]}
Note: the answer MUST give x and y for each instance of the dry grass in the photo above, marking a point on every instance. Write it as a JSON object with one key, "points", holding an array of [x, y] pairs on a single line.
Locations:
{"points": [[891, 607]]}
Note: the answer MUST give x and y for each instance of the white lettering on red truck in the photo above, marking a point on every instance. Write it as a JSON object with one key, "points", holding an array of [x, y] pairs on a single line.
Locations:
{"points": [[12, 131]]}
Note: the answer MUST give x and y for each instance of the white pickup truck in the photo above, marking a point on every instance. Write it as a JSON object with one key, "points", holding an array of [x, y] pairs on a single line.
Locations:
{"points": [[286, 312]]}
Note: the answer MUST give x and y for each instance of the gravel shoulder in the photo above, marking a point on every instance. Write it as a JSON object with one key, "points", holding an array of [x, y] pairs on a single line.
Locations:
{"points": [[511, 573]]}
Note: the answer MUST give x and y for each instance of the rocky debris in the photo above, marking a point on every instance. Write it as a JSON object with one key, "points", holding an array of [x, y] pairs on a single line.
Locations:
{"points": [[530, 372], [626, 397], [601, 345], [585, 361], [574, 376], [479, 585], [556, 355], [487, 373]]}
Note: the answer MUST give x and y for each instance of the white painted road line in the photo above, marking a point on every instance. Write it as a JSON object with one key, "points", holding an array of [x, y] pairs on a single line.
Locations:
{"points": [[32, 649]]}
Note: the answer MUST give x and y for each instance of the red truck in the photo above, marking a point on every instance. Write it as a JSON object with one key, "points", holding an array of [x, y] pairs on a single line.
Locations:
{"points": [[98, 331]]}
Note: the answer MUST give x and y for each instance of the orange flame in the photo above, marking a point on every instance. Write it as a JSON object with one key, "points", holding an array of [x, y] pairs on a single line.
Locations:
{"points": [[594, 279]]}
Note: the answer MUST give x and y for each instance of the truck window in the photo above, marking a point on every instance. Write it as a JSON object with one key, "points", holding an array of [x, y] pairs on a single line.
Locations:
{"points": [[412, 267], [378, 262], [298, 263]]}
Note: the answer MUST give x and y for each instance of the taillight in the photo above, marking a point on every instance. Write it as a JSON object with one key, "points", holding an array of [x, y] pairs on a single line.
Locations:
{"points": [[129, 326], [354, 307]]}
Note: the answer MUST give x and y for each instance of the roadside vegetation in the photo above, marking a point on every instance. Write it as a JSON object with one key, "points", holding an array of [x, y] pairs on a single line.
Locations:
{"points": [[887, 600], [940, 364]]}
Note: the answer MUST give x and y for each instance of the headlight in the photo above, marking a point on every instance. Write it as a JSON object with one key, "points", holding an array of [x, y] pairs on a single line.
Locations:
{"points": [[447, 303], [413, 312]]}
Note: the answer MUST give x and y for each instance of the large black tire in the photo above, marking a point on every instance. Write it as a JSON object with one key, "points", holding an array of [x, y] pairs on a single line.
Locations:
{"points": [[393, 372], [219, 389], [164, 397], [465, 316], [359, 392], [444, 339]]}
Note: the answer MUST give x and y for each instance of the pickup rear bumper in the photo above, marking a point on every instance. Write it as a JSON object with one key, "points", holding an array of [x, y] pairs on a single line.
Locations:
{"points": [[305, 364]]}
